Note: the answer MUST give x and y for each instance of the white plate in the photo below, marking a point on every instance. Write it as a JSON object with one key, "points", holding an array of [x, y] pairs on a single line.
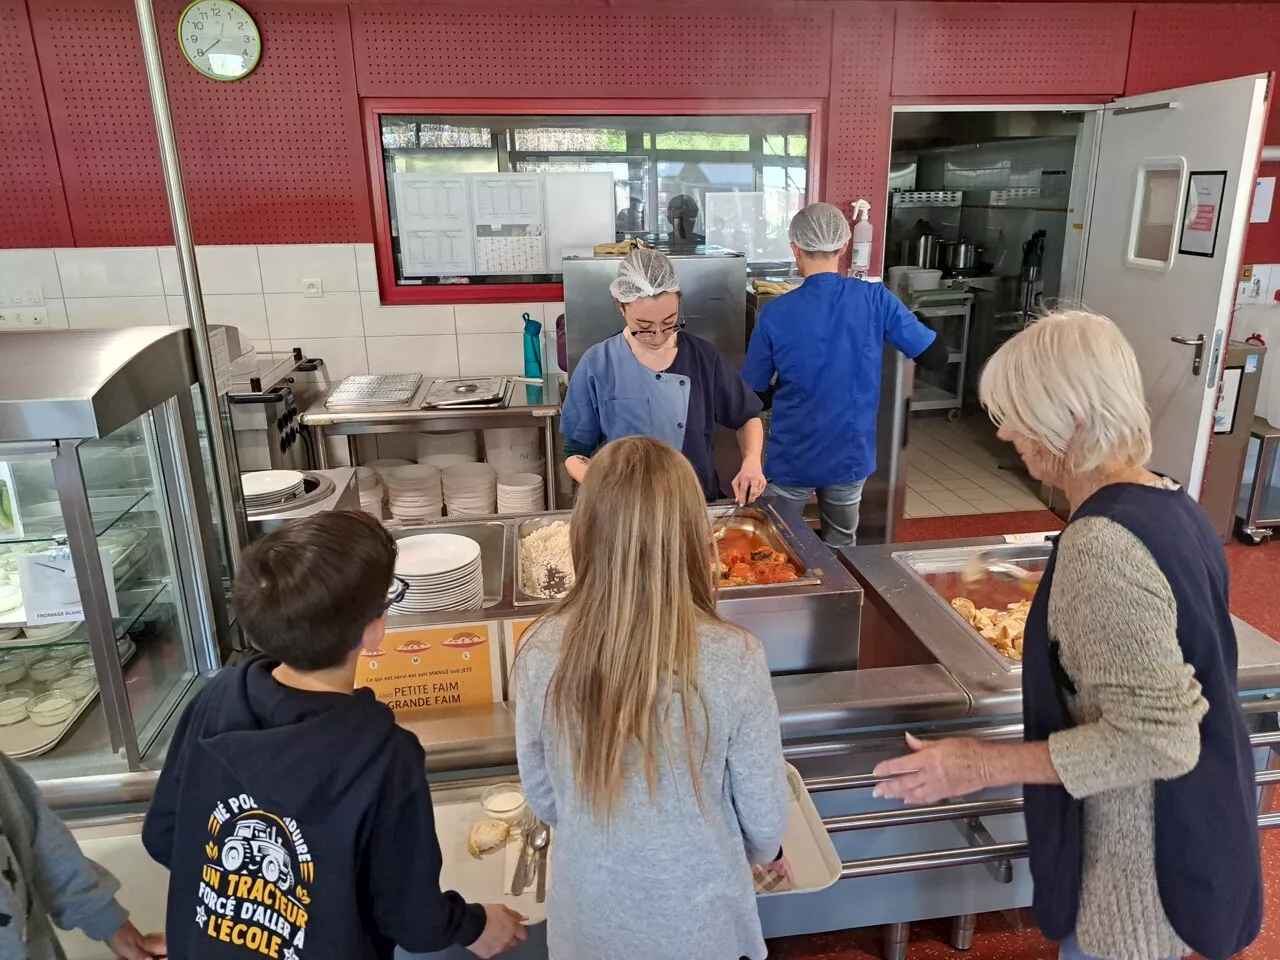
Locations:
{"points": [[266, 483], [427, 554]]}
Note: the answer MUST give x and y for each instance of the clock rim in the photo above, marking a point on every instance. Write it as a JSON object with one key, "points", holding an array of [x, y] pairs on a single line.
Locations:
{"points": [[195, 66]]}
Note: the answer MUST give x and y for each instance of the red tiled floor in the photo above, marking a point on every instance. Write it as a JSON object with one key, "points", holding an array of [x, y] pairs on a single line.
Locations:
{"points": [[1255, 598]]}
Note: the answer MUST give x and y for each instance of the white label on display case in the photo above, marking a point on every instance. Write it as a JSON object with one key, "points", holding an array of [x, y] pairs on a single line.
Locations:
{"points": [[1027, 537], [50, 593]]}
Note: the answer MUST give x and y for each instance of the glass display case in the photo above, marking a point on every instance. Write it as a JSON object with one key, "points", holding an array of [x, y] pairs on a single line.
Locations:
{"points": [[111, 570]]}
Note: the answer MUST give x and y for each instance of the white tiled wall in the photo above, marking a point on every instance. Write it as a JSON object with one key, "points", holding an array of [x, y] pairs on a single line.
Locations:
{"points": [[260, 290]]}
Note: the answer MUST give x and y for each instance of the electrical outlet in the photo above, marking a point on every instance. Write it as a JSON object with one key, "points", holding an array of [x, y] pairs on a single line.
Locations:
{"points": [[312, 287], [24, 319]]}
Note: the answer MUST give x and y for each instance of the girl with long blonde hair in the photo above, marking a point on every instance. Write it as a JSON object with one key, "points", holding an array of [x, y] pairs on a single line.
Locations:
{"points": [[647, 731]]}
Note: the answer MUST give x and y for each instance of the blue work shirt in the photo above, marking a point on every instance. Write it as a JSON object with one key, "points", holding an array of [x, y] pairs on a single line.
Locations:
{"points": [[613, 395], [825, 343]]}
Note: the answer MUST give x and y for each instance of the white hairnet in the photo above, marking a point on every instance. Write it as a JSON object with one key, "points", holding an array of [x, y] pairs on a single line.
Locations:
{"points": [[819, 228], [644, 272]]}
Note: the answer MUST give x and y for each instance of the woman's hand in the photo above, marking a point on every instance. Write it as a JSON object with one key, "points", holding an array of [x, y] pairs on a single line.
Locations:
{"points": [[938, 770], [750, 481], [130, 943]]}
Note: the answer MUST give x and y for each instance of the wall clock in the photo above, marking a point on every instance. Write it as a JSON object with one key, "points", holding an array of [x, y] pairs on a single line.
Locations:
{"points": [[219, 39]]}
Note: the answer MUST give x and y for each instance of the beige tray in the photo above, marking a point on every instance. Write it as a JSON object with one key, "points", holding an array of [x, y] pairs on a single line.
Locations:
{"points": [[806, 844]]}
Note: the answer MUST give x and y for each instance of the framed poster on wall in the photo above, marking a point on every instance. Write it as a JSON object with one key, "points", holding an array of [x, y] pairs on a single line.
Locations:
{"points": [[1203, 213]]}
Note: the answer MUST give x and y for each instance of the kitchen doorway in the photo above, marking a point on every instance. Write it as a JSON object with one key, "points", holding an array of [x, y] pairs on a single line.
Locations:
{"points": [[985, 228]]}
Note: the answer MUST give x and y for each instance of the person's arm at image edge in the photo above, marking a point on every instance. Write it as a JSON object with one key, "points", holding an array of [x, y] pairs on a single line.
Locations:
{"points": [[738, 408], [758, 370], [757, 770], [1151, 705], [530, 746], [907, 334]]}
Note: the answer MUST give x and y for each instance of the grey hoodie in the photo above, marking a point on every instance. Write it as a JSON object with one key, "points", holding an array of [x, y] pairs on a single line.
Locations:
{"points": [[44, 878]]}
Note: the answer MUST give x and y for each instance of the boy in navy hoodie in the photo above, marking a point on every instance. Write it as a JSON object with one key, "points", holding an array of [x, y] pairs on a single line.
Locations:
{"points": [[292, 812]]}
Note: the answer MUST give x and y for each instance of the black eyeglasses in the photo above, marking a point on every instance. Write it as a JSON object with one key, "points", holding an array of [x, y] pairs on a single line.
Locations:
{"points": [[662, 332], [399, 588]]}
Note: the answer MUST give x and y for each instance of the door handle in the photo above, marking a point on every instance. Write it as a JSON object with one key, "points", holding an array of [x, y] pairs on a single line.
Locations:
{"points": [[1198, 343]]}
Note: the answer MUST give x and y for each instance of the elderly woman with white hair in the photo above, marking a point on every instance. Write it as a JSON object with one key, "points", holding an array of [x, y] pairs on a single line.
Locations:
{"points": [[653, 379], [1140, 799]]}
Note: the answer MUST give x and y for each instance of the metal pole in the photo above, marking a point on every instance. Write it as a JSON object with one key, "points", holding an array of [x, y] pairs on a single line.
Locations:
{"points": [[220, 448]]}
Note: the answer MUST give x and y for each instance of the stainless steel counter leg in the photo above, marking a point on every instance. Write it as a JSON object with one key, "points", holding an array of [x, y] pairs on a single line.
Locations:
{"points": [[896, 938], [322, 448], [353, 450], [962, 931], [549, 456]]}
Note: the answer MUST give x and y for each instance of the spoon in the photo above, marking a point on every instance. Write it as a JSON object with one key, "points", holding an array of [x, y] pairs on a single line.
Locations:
{"points": [[980, 566], [538, 843], [722, 525]]}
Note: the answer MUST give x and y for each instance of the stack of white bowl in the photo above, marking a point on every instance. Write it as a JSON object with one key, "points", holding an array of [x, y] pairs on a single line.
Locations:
{"points": [[520, 493], [443, 571], [514, 449], [470, 489], [372, 493], [445, 449], [413, 492]]}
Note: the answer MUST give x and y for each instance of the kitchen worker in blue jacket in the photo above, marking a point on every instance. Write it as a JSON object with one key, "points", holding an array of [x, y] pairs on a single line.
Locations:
{"points": [[817, 353], [655, 380]]}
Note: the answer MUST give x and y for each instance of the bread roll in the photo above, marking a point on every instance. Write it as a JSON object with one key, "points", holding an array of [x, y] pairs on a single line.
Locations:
{"points": [[487, 835]]}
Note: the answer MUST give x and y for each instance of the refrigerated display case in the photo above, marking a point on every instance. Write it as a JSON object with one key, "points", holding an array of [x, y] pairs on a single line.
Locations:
{"points": [[111, 573]]}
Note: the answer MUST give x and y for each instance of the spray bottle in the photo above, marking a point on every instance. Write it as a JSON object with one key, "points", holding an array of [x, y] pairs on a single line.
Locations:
{"points": [[860, 263]]}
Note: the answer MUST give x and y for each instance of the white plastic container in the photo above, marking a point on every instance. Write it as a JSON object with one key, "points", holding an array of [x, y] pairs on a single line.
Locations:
{"points": [[924, 280], [863, 233]]}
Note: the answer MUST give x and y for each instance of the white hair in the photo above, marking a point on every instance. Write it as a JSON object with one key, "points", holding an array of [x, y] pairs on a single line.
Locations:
{"points": [[1071, 381]]}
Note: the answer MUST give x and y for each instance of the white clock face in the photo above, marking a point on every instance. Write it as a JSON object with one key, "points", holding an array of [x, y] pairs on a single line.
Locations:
{"points": [[220, 39]]}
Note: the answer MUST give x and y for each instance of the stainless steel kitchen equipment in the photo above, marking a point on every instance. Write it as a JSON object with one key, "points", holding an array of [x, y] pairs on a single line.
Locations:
{"points": [[522, 406], [105, 479], [266, 401], [323, 490], [468, 393], [961, 257], [1259, 505], [713, 300], [948, 311], [374, 390], [1233, 421], [937, 210]]}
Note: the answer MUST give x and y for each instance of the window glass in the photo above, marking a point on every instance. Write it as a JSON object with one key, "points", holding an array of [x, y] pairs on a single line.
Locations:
{"points": [[450, 224], [1158, 193]]}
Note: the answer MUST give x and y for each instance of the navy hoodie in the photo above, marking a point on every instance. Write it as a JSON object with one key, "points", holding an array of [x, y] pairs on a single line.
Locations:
{"points": [[297, 825]]}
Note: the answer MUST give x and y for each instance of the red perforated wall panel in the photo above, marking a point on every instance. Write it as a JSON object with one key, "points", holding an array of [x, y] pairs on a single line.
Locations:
{"points": [[1007, 50], [33, 211], [859, 122], [1179, 44], [95, 85], [276, 157], [774, 50]]}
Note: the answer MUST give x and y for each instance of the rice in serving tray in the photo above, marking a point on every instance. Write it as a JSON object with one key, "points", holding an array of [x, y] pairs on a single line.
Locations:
{"points": [[546, 561]]}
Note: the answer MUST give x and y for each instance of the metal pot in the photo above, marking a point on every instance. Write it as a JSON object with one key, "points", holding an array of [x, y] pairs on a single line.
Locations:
{"points": [[920, 252], [961, 255]]}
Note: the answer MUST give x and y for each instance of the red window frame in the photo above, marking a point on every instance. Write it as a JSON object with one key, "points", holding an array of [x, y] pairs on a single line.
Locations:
{"points": [[391, 293]]}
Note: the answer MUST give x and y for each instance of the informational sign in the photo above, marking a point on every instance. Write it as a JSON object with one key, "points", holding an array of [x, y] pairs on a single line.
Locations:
{"points": [[513, 633], [419, 669], [434, 220], [1028, 537], [50, 592], [1264, 195], [1203, 213], [1224, 414], [10, 515]]}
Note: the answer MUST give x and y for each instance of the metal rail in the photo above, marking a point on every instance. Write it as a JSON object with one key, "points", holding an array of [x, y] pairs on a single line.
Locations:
{"points": [[912, 815]]}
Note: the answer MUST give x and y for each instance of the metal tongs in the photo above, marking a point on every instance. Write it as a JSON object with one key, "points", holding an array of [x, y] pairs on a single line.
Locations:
{"points": [[982, 565], [721, 526]]}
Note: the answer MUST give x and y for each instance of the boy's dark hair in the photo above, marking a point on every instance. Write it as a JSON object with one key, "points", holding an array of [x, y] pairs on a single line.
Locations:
{"points": [[305, 593]]}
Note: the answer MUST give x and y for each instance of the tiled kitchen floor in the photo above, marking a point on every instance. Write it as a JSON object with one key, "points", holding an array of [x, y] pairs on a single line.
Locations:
{"points": [[954, 469]]}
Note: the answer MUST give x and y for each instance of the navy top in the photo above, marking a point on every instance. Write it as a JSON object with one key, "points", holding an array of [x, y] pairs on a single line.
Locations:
{"points": [[1208, 866], [824, 341], [613, 395]]}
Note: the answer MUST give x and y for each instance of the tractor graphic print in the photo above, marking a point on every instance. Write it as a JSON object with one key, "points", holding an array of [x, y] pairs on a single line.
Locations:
{"points": [[256, 846]]}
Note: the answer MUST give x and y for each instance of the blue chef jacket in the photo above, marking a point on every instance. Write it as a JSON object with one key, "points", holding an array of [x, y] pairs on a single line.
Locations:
{"points": [[825, 343], [613, 395]]}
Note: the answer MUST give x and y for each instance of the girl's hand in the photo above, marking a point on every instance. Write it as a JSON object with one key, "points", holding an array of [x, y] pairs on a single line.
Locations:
{"points": [[130, 943]]}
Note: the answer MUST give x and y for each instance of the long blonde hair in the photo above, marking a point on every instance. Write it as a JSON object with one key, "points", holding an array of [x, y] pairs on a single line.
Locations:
{"points": [[641, 545]]}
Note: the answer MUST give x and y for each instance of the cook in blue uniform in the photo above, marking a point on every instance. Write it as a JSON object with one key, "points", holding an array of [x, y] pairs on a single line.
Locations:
{"points": [[655, 380], [816, 353]]}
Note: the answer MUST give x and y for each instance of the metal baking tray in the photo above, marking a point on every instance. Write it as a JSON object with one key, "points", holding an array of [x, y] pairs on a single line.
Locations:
{"points": [[768, 527], [938, 572]]}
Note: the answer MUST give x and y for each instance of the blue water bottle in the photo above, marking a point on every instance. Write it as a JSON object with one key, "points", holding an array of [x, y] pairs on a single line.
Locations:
{"points": [[533, 357]]}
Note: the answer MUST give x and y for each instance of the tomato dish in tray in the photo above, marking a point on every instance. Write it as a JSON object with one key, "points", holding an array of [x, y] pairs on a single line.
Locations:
{"points": [[743, 559]]}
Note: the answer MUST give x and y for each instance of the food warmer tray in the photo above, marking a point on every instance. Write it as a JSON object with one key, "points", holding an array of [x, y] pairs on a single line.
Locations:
{"points": [[758, 521], [374, 389], [467, 392], [938, 571]]}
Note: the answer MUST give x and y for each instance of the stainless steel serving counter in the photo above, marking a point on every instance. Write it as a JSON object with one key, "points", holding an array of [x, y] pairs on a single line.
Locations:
{"points": [[525, 407]]}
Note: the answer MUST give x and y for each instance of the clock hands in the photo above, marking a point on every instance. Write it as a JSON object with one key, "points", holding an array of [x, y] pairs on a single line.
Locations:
{"points": [[212, 45]]}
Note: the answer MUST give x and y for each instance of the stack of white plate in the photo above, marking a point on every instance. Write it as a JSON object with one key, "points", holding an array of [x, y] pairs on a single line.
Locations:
{"points": [[445, 449], [443, 572], [371, 490], [520, 493], [470, 489], [514, 449], [413, 492], [377, 466], [270, 488]]}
